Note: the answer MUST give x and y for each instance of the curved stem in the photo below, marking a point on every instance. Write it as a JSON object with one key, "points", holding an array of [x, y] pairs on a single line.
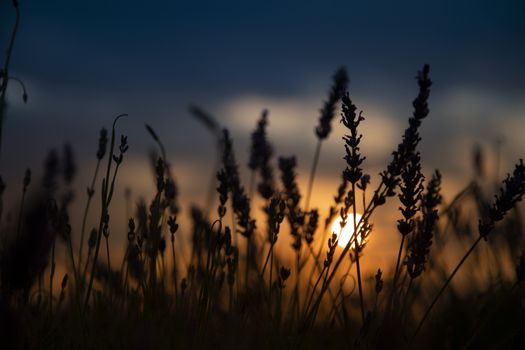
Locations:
{"points": [[5, 78], [105, 197]]}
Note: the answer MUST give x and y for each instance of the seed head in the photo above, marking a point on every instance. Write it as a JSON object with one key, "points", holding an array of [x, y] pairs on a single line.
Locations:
{"points": [[419, 246], [511, 192], [92, 241], [102, 143], [69, 168], [284, 273], [131, 230], [351, 121], [340, 83], [411, 138]]}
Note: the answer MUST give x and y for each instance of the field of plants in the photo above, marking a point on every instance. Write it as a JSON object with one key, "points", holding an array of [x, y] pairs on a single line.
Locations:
{"points": [[277, 275]]}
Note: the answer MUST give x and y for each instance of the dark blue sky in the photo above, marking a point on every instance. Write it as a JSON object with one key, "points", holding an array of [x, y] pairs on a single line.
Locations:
{"points": [[86, 61], [219, 47]]}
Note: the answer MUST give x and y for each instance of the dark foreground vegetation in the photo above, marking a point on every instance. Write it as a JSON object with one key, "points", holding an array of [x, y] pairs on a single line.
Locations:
{"points": [[236, 290]]}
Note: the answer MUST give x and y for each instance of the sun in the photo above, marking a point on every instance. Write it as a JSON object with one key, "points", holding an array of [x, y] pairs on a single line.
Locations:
{"points": [[348, 229]]}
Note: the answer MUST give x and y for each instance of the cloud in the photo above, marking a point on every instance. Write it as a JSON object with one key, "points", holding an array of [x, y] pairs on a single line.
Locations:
{"points": [[293, 119]]}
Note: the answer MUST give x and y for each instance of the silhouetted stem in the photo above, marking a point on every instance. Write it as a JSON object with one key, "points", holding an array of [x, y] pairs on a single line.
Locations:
{"points": [[314, 288], [5, 78], [75, 272], [366, 215], [396, 271], [312, 175], [447, 282], [174, 268], [357, 249], [104, 211], [318, 255], [396, 274], [51, 275], [247, 276], [267, 259], [107, 252], [86, 210], [270, 278]]}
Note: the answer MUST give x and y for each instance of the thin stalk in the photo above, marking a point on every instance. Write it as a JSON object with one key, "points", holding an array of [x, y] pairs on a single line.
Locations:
{"points": [[366, 215], [106, 197], [247, 273], [358, 269], [447, 282], [320, 269], [319, 252], [253, 177], [270, 280], [311, 314], [174, 268], [312, 175], [86, 210], [404, 305], [266, 260], [75, 272], [107, 252], [297, 282], [314, 288], [481, 323], [51, 275], [5, 78], [396, 271]]}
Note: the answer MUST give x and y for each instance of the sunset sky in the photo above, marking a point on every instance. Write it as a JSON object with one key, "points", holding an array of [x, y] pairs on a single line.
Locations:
{"points": [[85, 62]]}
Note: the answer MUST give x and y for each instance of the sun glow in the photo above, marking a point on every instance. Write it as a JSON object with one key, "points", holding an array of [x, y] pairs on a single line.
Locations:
{"points": [[348, 229]]}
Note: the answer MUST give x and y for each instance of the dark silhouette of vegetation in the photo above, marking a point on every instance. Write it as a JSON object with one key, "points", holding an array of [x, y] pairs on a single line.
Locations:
{"points": [[236, 289]]}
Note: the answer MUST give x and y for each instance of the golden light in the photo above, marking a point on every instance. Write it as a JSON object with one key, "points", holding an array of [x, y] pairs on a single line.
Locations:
{"points": [[348, 229]]}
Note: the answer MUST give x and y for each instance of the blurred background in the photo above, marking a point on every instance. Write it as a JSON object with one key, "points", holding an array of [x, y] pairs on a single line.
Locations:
{"points": [[84, 62]]}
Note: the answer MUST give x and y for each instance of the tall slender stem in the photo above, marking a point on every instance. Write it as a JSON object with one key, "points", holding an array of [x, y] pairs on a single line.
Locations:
{"points": [[447, 282], [247, 272], [357, 248], [396, 272], [107, 252], [86, 210], [270, 277], [106, 198], [75, 272], [5, 78], [174, 268], [312, 175], [366, 215], [51, 276]]}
